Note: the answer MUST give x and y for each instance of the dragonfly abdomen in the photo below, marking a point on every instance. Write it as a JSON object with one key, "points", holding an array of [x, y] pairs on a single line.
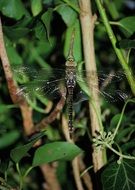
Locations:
{"points": [[70, 110], [70, 84]]}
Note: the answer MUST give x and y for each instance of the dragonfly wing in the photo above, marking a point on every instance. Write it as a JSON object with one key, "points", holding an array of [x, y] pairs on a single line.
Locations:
{"points": [[54, 89], [45, 82], [117, 95], [49, 89], [33, 73], [79, 95], [110, 84], [110, 76]]}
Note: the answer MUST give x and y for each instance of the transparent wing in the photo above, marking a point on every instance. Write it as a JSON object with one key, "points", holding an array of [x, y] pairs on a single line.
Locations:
{"points": [[51, 83], [110, 84], [50, 89], [42, 81], [103, 76], [33, 73]]}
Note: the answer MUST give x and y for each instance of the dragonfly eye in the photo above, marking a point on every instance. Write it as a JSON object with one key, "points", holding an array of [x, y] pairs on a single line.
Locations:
{"points": [[71, 59], [71, 63]]}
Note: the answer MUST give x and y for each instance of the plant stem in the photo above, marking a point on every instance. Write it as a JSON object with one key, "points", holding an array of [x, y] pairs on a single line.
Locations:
{"points": [[119, 154], [20, 176], [87, 25], [76, 173], [27, 171], [114, 41], [122, 113], [18, 169], [26, 111], [114, 23]]}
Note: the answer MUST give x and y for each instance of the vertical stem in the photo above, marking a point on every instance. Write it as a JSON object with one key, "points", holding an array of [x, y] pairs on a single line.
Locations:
{"points": [[75, 162], [76, 172], [13, 88], [87, 25], [118, 52], [20, 176]]}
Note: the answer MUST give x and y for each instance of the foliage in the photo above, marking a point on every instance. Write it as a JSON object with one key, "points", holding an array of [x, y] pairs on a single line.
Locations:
{"points": [[37, 34], [119, 176]]}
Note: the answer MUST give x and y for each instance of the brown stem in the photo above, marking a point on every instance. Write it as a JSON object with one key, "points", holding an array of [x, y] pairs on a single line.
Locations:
{"points": [[13, 88], [65, 129], [87, 26], [76, 172], [49, 173], [86, 177], [75, 164]]}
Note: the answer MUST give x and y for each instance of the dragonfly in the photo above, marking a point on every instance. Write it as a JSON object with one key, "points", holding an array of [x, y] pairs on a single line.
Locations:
{"points": [[52, 82]]}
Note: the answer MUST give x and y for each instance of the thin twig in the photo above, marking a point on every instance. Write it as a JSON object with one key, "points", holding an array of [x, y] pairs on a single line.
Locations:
{"points": [[65, 129], [75, 163], [76, 171], [13, 88], [86, 177], [49, 173], [87, 25]]}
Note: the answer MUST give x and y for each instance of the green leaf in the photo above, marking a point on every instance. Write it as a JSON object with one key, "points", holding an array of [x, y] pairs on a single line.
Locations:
{"points": [[8, 138], [111, 6], [128, 146], [119, 176], [127, 44], [128, 25], [77, 46], [40, 31], [20, 152], [13, 55], [67, 13], [4, 107], [52, 135], [47, 18], [15, 33], [55, 151], [36, 7], [4, 164], [13, 9], [48, 2], [45, 45], [124, 134], [115, 120], [62, 169]]}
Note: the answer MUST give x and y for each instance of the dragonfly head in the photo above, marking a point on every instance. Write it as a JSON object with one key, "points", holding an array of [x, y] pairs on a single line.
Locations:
{"points": [[71, 62]]}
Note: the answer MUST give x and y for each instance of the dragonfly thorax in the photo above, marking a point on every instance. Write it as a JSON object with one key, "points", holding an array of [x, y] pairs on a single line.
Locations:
{"points": [[70, 79]]}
